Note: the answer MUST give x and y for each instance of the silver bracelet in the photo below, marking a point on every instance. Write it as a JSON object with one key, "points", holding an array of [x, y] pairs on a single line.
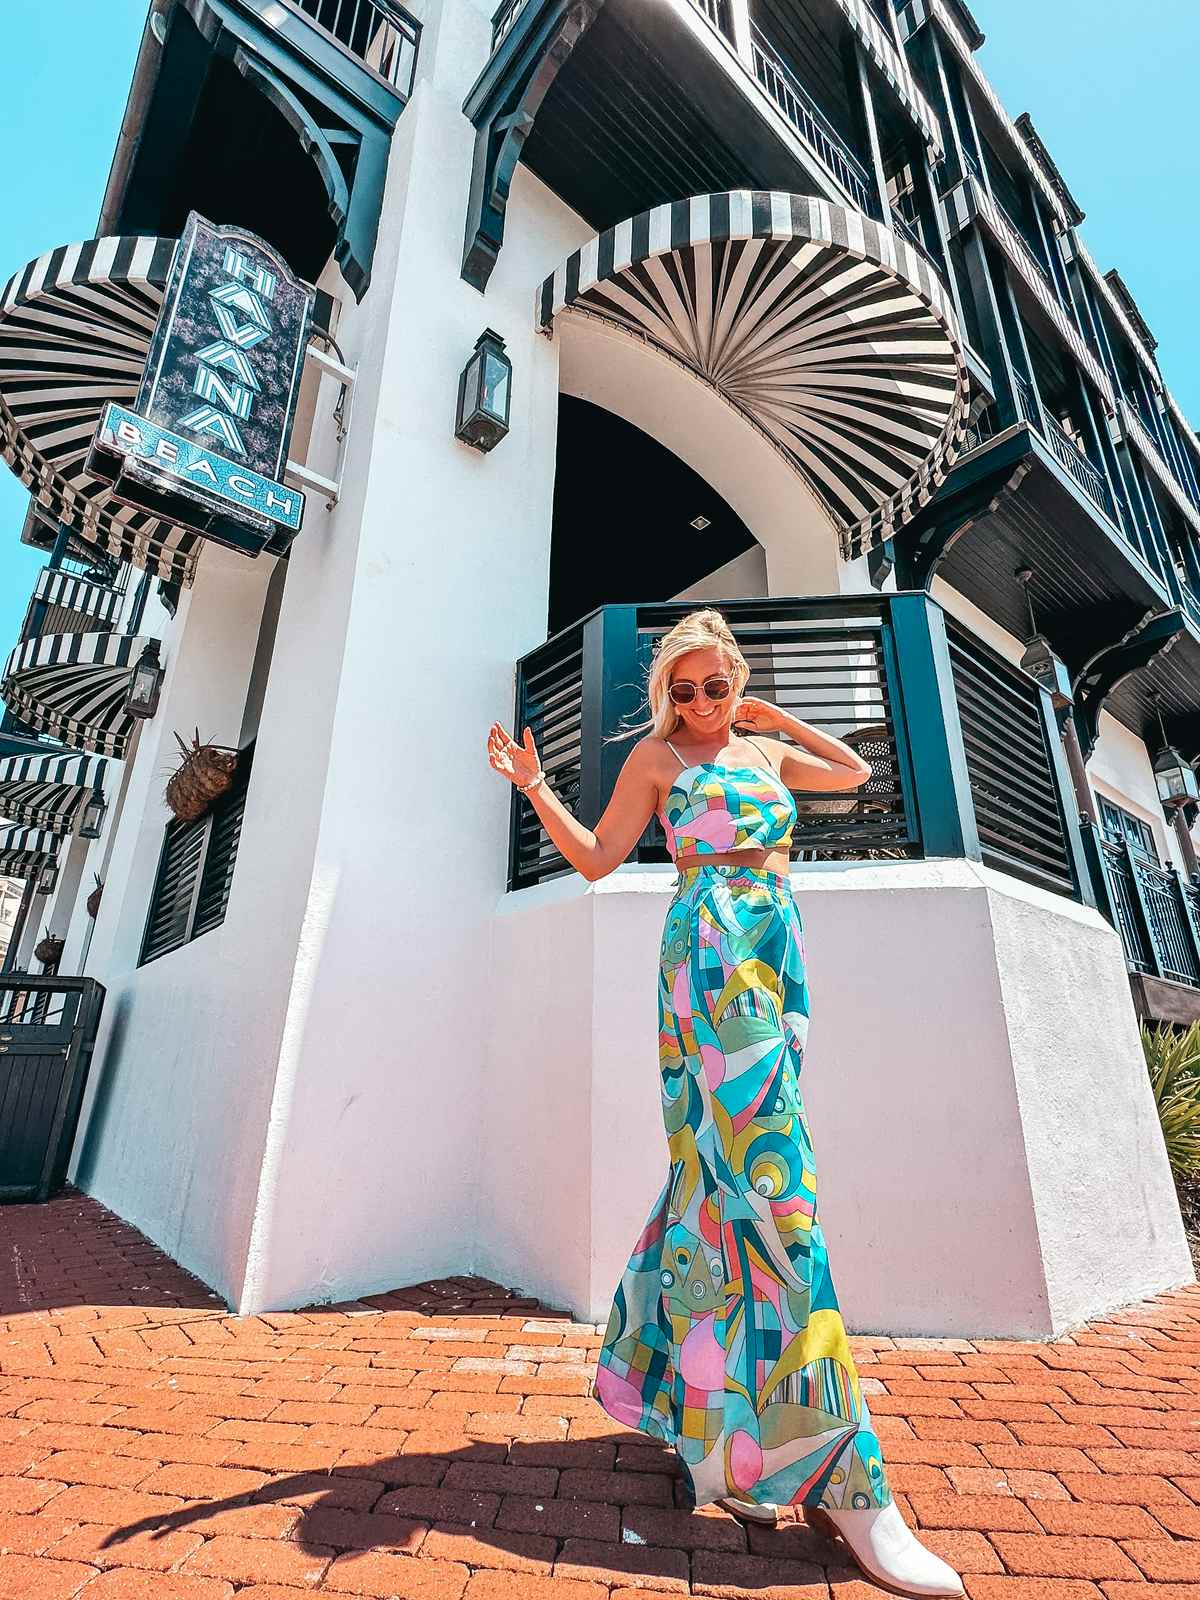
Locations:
{"points": [[538, 777]]}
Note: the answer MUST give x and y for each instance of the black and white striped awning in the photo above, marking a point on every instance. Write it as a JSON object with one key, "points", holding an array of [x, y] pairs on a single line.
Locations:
{"points": [[75, 328], [72, 685], [24, 851], [830, 335], [47, 791]]}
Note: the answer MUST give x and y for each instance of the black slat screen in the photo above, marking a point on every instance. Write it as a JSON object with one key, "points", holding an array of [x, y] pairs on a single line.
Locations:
{"points": [[1017, 810]]}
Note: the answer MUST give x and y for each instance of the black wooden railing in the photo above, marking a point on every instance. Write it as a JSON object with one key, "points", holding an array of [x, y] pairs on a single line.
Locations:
{"points": [[935, 714], [1154, 909], [802, 111], [381, 35]]}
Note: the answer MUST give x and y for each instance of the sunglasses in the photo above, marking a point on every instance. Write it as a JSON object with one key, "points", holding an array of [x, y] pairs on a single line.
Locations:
{"points": [[684, 692]]}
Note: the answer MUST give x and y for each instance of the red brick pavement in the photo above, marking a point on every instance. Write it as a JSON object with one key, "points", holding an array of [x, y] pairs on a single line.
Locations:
{"points": [[437, 1443]]}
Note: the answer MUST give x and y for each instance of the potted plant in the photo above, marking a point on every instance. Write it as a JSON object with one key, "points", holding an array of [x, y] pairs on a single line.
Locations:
{"points": [[48, 950], [204, 775], [93, 899]]}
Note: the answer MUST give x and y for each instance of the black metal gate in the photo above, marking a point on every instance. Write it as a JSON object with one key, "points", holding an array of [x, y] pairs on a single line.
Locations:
{"points": [[47, 1032]]}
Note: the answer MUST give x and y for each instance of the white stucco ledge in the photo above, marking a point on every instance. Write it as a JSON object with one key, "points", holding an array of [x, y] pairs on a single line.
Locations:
{"points": [[989, 1155]]}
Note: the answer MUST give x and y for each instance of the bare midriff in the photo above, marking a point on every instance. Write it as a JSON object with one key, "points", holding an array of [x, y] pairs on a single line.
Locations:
{"points": [[761, 860]]}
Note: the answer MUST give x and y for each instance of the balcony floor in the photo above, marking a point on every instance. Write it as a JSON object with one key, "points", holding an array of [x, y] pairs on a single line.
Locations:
{"points": [[437, 1442]]}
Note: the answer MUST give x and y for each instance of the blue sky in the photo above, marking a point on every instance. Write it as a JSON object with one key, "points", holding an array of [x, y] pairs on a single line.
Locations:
{"points": [[1112, 93]]}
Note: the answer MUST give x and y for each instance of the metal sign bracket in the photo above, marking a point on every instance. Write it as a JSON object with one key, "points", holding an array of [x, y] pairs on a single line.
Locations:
{"points": [[296, 471]]}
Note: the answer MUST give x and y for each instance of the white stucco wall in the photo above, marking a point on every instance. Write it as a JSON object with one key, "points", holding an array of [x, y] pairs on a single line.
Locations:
{"points": [[743, 578], [168, 1134], [982, 1120]]}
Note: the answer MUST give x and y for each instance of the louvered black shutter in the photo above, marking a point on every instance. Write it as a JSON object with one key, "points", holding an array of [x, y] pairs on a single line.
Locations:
{"points": [[217, 876], [174, 888], [195, 871]]}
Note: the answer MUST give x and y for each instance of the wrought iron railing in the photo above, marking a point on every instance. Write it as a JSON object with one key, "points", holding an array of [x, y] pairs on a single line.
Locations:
{"points": [[1068, 454], [1085, 474], [1156, 912], [1013, 227], [381, 35], [983, 427], [809, 121], [951, 734], [906, 230]]}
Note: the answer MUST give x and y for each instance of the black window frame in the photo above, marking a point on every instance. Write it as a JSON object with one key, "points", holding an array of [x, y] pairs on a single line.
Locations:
{"points": [[196, 862], [1117, 828]]}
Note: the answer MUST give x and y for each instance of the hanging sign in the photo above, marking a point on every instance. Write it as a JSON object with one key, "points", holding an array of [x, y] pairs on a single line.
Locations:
{"points": [[205, 443]]}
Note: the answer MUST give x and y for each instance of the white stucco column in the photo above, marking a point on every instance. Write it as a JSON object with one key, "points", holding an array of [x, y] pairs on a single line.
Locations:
{"points": [[369, 1171]]}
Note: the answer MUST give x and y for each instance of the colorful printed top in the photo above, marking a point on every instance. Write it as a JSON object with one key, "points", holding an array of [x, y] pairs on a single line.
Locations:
{"points": [[713, 809]]}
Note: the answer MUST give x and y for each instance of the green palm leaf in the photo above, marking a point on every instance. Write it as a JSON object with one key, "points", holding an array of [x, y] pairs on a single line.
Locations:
{"points": [[1173, 1062]]}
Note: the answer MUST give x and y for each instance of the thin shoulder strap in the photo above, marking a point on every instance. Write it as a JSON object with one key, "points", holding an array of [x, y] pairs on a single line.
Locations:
{"points": [[676, 754], [750, 739]]}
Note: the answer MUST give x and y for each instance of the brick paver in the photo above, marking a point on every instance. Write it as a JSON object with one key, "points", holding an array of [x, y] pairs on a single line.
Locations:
{"points": [[438, 1443]]}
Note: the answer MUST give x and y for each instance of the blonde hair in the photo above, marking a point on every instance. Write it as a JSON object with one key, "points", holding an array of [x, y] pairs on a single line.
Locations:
{"points": [[699, 630]]}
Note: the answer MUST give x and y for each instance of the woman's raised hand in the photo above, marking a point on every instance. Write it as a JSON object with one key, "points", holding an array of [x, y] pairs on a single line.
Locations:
{"points": [[758, 715], [518, 763]]}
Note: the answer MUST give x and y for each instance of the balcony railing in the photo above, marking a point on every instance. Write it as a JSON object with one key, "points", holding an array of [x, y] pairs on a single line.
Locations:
{"points": [[381, 35], [717, 12], [1068, 454], [962, 745], [1156, 913], [810, 122]]}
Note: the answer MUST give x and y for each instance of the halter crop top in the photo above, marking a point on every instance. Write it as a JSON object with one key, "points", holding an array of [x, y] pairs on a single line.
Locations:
{"points": [[714, 809]]}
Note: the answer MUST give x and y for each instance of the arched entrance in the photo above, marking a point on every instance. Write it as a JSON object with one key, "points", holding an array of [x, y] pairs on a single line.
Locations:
{"points": [[632, 522]]}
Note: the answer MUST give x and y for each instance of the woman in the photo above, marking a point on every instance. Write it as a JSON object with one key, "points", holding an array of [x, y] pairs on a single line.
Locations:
{"points": [[725, 1337]]}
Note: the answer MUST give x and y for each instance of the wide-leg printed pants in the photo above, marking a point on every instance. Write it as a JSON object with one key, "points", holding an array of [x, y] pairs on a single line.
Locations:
{"points": [[725, 1338]]}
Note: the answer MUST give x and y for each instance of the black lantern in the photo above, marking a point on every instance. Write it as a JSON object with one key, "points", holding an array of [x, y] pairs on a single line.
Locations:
{"points": [[92, 820], [1040, 662], [1175, 777], [47, 877], [484, 394], [141, 698], [1039, 659]]}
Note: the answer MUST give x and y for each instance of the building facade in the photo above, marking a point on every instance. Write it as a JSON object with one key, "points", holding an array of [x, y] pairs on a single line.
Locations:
{"points": [[794, 318]]}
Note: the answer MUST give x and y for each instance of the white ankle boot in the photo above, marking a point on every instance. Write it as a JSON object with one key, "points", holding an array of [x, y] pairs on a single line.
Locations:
{"points": [[764, 1516], [887, 1550]]}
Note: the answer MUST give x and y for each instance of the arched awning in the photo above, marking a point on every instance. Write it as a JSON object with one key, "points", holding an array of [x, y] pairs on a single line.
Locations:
{"points": [[24, 851], [73, 685], [830, 335], [75, 327], [47, 791]]}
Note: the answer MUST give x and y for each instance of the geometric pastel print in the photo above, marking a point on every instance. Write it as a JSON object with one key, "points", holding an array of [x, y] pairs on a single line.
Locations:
{"points": [[725, 1338]]}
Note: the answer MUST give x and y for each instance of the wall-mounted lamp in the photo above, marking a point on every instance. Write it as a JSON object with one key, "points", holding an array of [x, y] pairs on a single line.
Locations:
{"points": [[47, 877], [141, 698], [92, 820], [484, 394]]}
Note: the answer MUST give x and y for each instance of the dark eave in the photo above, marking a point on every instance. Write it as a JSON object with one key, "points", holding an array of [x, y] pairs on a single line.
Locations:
{"points": [[141, 91], [1024, 126], [971, 30], [1129, 305], [1009, 507]]}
